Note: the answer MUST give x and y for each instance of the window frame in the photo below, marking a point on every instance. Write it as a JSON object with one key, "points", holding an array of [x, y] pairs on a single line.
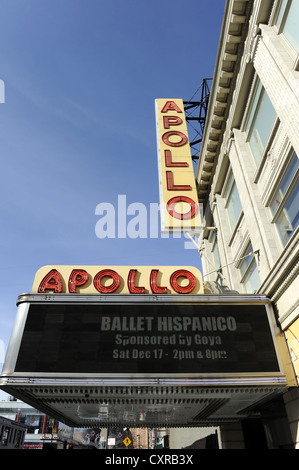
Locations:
{"points": [[227, 192], [255, 97], [282, 24], [275, 214], [245, 276], [214, 247]]}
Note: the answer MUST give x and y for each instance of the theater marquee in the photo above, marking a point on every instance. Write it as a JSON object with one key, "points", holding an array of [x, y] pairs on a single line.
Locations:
{"points": [[144, 360], [177, 187], [118, 280], [142, 346], [146, 338]]}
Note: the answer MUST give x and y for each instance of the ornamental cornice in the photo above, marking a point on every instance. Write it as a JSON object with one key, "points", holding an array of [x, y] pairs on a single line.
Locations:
{"points": [[230, 52]]}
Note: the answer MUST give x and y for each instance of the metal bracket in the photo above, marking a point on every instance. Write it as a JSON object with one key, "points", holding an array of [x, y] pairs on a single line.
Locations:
{"points": [[200, 118]]}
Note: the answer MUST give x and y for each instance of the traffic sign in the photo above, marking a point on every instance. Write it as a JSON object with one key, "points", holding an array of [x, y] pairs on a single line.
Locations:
{"points": [[127, 441]]}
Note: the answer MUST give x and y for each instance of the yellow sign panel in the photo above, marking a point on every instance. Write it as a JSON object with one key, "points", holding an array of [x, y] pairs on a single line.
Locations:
{"points": [[118, 280], [127, 441], [177, 187], [292, 335]]}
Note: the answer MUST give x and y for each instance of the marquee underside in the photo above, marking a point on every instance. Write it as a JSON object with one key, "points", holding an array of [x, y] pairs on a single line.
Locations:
{"points": [[78, 403]]}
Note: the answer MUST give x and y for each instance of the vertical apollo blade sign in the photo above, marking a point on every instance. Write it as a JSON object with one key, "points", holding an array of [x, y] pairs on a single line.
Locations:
{"points": [[178, 195]]}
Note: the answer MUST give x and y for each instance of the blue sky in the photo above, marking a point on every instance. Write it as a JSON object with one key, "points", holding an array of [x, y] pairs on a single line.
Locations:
{"points": [[78, 126]]}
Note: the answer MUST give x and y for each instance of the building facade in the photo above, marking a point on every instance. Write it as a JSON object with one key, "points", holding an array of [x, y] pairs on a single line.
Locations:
{"points": [[39, 429], [12, 434], [25, 427], [248, 169]]}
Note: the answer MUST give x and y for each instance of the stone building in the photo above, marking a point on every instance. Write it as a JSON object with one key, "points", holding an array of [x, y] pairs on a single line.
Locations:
{"points": [[248, 168]]}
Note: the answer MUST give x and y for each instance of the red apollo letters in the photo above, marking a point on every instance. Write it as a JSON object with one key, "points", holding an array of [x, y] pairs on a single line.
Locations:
{"points": [[170, 121], [79, 277]]}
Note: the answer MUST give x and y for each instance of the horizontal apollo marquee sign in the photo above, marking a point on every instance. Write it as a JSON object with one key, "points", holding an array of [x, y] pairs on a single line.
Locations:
{"points": [[118, 280], [177, 186], [143, 338]]}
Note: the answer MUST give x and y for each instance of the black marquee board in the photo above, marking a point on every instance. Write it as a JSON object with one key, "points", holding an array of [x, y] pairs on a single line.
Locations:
{"points": [[146, 338]]}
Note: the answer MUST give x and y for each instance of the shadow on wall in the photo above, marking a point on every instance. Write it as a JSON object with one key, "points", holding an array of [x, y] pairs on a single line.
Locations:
{"points": [[209, 442]]}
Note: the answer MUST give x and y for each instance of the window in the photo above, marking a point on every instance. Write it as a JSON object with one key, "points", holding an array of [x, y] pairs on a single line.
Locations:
{"points": [[5, 436], [249, 273], [287, 22], [18, 439], [215, 250], [233, 203], [260, 122], [285, 203]]}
